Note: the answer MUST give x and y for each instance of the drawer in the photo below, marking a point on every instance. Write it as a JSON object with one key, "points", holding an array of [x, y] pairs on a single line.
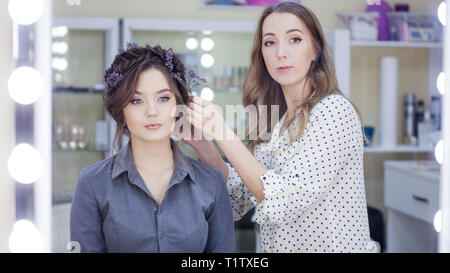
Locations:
{"points": [[412, 195]]}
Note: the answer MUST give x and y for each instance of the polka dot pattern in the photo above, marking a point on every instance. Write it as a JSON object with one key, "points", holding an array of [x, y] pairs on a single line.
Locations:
{"points": [[314, 188]]}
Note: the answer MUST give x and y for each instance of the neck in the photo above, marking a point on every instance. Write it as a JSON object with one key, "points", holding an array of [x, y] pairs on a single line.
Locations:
{"points": [[154, 157], [295, 95]]}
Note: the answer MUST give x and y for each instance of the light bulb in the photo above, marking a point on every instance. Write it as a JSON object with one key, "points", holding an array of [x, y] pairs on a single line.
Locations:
{"points": [[59, 64], [25, 12], [441, 83], [439, 152], [191, 43], [59, 48], [25, 164], [207, 44], [207, 32], [437, 221], [207, 60], [60, 31], [26, 238], [207, 94], [25, 85], [442, 13]]}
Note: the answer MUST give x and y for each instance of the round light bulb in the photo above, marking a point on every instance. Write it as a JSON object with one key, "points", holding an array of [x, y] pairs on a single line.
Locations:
{"points": [[437, 221], [442, 13], [207, 94], [25, 12], [26, 238], [207, 44], [441, 83], [59, 64], [191, 43], [25, 85], [439, 152], [207, 60], [59, 48], [60, 31], [25, 164]]}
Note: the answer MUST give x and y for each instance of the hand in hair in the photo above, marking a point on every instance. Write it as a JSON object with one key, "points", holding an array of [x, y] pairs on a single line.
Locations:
{"points": [[207, 118]]}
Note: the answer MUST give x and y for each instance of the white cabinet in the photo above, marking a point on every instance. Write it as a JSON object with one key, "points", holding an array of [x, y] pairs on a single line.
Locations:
{"points": [[411, 196]]}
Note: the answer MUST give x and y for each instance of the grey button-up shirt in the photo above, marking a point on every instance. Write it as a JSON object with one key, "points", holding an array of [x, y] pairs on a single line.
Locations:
{"points": [[113, 210]]}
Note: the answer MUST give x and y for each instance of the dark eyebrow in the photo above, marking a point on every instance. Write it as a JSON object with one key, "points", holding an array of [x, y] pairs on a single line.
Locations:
{"points": [[289, 31], [160, 91], [295, 29]]}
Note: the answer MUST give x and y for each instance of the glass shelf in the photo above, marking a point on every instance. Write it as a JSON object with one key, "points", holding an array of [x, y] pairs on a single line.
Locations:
{"points": [[397, 44], [79, 150]]}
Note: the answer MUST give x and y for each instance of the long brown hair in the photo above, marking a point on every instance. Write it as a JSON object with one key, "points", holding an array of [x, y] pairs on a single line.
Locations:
{"points": [[128, 65], [261, 89]]}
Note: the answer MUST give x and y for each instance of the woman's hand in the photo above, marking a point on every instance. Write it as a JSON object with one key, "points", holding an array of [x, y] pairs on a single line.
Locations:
{"points": [[191, 136], [207, 119]]}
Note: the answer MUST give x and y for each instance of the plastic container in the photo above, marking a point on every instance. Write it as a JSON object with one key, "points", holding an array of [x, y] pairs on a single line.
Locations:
{"points": [[363, 26], [414, 27]]}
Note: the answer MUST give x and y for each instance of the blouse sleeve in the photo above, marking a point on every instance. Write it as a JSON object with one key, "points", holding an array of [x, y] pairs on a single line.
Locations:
{"points": [[242, 199], [329, 142]]}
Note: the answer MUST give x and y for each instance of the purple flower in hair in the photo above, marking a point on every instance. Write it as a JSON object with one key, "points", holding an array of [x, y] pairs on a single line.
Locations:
{"points": [[121, 50], [129, 44], [114, 78], [169, 55], [194, 80]]}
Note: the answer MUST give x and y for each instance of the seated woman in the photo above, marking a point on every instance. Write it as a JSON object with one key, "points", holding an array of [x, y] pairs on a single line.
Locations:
{"points": [[150, 197]]}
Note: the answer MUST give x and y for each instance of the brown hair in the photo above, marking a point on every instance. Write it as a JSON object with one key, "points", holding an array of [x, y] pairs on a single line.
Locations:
{"points": [[128, 64], [261, 89]]}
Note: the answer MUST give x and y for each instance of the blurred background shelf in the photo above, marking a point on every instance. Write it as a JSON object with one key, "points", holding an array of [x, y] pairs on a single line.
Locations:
{"points": [[397, 44], [398, 149]]}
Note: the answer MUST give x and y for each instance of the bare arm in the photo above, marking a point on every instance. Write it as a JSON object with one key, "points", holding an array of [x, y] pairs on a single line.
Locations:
{"points": [[247, 166]]}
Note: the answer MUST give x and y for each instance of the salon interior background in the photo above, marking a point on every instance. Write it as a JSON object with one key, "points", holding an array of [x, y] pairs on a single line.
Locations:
{"points": [[365, 71]]}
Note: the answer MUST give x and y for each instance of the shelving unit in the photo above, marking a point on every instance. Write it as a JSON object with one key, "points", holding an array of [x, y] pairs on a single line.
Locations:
{"points": [[340, 40], [396, 44], [397, 149]]}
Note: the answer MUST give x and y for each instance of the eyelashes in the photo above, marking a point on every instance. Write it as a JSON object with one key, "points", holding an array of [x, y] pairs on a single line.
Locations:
{"points": [[294, 40], [136, 101], [139, 101]]}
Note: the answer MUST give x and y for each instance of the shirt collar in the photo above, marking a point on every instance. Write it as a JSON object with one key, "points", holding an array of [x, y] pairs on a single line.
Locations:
{"points": [[124, 162]]}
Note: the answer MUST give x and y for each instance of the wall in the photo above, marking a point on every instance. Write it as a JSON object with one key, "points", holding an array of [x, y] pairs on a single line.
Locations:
{"points": [[7, 198]]}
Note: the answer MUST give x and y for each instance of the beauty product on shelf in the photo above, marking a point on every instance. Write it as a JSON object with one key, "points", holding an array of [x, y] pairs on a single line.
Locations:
{"points": [[388, 102], [81, 138], [425, 127], [435, 110], [410, 112], [420, 112]]}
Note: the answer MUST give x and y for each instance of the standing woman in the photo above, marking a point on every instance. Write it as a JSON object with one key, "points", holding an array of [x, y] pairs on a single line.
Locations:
{"points": [[307, 180]]}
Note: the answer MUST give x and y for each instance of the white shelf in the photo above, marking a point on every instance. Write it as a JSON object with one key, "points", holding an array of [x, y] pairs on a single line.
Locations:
{"points": [[230, 7], [398, 149], [397, 44]]}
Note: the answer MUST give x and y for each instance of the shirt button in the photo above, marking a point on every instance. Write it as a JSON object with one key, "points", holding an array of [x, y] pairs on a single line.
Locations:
{"points": [[155, 209]]}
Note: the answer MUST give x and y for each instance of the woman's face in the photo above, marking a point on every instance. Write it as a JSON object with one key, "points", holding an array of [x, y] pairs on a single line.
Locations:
{"points": [[287, 48], [150, 114]]}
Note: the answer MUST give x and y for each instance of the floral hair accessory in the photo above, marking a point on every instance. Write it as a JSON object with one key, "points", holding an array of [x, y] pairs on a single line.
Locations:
{"points": [[130, 44], [169, 55], [114, 78], [194, 80]]}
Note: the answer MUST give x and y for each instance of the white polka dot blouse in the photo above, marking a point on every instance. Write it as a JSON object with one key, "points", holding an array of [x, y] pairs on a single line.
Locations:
{"points": [[314, 188]]}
